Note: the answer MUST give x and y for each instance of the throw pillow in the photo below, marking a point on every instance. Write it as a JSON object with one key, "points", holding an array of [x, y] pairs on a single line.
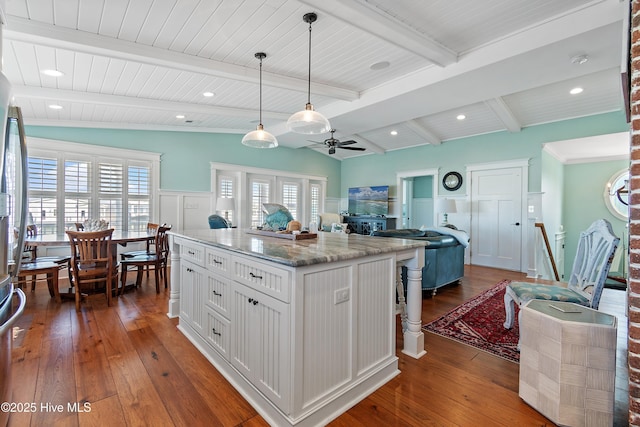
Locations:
{"points": [[278, 216]]}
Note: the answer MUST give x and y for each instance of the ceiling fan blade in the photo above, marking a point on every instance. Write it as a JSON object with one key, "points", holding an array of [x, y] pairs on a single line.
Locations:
{"points": [[349, 142], [352, 148]]}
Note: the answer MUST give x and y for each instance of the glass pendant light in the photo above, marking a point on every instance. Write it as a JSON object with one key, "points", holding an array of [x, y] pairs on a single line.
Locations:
{"points": [[309, 121], [260, 138]]}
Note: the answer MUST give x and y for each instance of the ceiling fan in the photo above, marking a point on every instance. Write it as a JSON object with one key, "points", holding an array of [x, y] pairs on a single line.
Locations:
{"points": [[334, 143]]}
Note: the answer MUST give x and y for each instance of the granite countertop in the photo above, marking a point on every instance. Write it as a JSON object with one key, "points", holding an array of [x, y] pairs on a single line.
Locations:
{"points": [[328, 247]]}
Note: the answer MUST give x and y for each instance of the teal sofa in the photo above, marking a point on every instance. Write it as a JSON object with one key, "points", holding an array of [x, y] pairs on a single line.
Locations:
{"points": [[443, 256]]}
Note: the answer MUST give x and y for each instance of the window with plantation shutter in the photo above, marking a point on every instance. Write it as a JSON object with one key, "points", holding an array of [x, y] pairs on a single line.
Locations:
{"points": [[290, 198], [77, 194], [226, 190], [110, 183], [77, 182], [315, 190], [138, 208], [42, 186], [259, 195]]}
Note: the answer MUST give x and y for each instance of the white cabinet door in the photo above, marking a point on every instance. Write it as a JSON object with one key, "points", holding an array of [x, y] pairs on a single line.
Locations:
{"points": [[192, 281], [260, 343]]}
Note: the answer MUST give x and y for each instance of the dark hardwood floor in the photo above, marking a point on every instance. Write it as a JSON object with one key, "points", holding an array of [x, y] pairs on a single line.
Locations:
{"points": [[132, 367]]}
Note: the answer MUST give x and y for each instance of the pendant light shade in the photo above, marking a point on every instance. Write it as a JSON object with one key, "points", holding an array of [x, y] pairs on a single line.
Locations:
{"points": [[309, 121], [260, 138]]}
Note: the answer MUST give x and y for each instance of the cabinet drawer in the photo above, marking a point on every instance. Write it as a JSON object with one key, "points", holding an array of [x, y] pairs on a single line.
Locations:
{"points": [[192, 252], [218, 332], [262, 277], [218, 261], [217, 294]]}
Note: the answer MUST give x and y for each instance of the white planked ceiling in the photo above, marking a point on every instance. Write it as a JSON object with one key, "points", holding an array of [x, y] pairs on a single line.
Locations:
{"points": [[505, 64]]}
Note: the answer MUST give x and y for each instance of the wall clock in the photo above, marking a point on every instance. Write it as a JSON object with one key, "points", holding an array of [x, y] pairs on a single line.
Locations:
{"points": [[452, 181]]}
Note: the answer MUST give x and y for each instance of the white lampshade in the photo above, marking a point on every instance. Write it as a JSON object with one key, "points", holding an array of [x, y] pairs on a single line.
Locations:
{"points": [[225, 203], [260, 138], [446, 206], [308, 122]]}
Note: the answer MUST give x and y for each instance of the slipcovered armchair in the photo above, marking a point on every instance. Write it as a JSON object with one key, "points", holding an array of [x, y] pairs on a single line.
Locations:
{"points": [[590, 268], [327, 219], [217, 221]]}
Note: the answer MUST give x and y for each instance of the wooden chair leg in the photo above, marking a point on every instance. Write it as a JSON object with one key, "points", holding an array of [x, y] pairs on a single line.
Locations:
{"points": [[52, 282], [123, 277], [78, 296], [157, 277], [139, 276]]}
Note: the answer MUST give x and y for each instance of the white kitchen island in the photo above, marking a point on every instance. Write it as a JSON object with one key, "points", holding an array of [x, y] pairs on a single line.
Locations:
{"points": [[302, 329]]}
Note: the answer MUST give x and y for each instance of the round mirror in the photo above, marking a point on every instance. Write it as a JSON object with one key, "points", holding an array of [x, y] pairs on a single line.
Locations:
{"points": [[616, 194]]}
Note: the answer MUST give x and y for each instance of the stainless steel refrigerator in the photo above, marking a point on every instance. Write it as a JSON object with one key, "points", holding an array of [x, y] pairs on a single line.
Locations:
{"points": [[13, 199]]}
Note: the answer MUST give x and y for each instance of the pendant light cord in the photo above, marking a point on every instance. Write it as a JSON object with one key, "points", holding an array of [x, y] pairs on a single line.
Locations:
{"points": [[261, 91], [309, 81]]}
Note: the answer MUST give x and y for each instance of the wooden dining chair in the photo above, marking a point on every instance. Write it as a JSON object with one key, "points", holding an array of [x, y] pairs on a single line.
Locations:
{"points": [[32, 263], [93, 263], [157, 259], [152, 230]]}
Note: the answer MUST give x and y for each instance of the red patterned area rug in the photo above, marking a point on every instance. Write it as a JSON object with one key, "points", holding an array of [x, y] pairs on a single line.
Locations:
{"points": [[479, 323]]}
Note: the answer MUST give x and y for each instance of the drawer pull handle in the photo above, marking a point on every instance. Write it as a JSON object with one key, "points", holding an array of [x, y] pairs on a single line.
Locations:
{"points": [[217, 294], [253, 301], [255, 276], [191, 252], [189, 270], [215, 332], [215, 261]]}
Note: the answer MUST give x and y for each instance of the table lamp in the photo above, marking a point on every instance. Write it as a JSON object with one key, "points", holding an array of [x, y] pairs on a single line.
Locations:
{"points": [[226, 204], [445, 207]]}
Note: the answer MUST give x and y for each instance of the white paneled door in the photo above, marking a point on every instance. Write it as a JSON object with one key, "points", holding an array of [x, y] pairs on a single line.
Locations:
{"points": [[496, 218]]}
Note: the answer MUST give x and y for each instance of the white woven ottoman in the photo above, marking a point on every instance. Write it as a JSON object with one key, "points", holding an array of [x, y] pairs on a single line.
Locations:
{"points": [[568, 362]]}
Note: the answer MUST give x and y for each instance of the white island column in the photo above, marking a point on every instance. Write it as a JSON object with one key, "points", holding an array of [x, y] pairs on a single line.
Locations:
{"points": [[174, 294], [413, 337]]}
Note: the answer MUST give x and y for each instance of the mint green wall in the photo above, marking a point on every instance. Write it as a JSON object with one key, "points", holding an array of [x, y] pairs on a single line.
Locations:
{"points": [[186, 155], [551, 203], [423, 187], [377, 169], [583, 202]]}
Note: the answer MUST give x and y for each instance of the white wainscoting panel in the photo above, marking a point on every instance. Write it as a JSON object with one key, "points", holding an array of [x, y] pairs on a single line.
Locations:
{"points": [[186, 210]]}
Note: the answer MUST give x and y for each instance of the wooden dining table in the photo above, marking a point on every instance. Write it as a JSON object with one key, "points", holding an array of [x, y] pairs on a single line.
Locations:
{"points": [[61, 239], [119, 237]]}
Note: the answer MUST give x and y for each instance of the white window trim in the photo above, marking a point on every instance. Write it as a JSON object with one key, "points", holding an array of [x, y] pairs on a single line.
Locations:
{"points": [[52, 148], [243, 176]]}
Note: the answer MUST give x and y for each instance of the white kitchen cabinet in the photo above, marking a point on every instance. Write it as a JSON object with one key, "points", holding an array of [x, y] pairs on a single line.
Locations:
{"points": [[261, 342], [192, 280]]}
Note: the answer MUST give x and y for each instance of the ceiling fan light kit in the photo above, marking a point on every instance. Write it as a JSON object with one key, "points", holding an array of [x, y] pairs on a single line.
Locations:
{"points": [[260, 138], [308, 121]]}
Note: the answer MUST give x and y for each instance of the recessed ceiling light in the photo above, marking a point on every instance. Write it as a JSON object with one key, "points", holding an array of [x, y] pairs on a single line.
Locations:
{"points": [[53, 73], [461, 117], [55, 107], [579, 59], [180, 116], [576, 90], [379, 65], [208, 94], [394, 132]]}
